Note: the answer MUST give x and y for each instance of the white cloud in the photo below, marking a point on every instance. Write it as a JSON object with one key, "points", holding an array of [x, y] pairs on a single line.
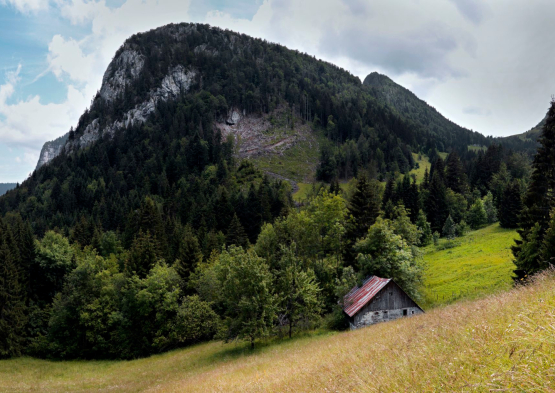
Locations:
{"points": [[26, 6], [28, 123]]}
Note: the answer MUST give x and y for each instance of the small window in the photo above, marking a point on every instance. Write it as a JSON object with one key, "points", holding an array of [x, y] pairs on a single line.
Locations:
{"points": [[412, 312], [405, 312]]}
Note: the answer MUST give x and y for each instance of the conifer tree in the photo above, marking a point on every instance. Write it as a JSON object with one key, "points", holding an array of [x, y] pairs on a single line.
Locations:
{"points": [[411, 200], [510, 206], [334, 187], [12, 304], [236, 234], [455, 178], [189, 254], [436, 204], [143, 255], [548, 244], [364, 209], [426, 180], [538, 202], [389, 192]]}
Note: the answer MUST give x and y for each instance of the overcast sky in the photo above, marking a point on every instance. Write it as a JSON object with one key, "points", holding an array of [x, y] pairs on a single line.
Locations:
{"points": [[485, 65]]}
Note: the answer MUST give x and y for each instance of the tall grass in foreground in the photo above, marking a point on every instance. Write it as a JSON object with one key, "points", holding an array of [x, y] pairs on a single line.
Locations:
{"points": [[501, 343]]}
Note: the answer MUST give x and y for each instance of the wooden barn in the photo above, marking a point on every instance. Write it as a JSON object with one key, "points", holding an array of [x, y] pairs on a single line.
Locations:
{"points": [[378, 300]]}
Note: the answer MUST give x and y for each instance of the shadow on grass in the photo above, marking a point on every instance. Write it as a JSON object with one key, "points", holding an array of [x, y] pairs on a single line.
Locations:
{"points": [[237, 349]]}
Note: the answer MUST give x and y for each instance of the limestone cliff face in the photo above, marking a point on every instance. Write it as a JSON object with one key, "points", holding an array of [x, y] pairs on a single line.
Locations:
{"points": [[178, 81], [51, 149], [125, 70]]}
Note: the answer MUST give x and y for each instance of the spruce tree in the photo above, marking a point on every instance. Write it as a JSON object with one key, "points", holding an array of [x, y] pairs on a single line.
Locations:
{"points": [[12, 304], [455, 178], [436, 204], [143, 255], [538, 202], [335, 189], [426, 180], [364, 209], [189, 254], [510, 206], [236, 234]]}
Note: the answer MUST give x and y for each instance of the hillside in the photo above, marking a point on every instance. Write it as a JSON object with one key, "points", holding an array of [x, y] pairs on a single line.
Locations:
{"points": [[51, 149], [501, 343], [476, 265], [5, 187], [409, 106]]}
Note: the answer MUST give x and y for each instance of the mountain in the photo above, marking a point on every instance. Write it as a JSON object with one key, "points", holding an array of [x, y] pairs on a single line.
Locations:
{"points": [[5, 187], [184, 99], [412, 108], [51, 149]]}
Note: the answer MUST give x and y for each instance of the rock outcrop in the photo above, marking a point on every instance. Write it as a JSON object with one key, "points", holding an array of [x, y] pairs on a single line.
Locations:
{"points": [[51, 149], [177, 82]]}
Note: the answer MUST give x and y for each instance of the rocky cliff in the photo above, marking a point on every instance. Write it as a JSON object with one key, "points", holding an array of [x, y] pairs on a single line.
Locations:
{"points": [[51, 149]]}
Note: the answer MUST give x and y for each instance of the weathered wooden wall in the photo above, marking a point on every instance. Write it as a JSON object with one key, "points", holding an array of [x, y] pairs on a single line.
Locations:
{"points": [[387, 305]]}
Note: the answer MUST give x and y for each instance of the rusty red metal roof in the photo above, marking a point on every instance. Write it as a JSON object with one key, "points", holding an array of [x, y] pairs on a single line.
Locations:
{"points": [[359, 297]]}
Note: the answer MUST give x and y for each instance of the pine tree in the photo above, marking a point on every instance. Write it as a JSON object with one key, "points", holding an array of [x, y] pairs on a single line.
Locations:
{"points": [[143, 255], [510, 206], [389, 192], [436, 204], [364, 209], [538, 202], [236, 234], [426, 180], [455, 178], [548, 243], [411, 200], [12, 304], [189, 254], [334, 187]]}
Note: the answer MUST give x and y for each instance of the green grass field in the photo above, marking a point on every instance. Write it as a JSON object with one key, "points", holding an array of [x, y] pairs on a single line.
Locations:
{"points": [[423, 163], [477, 148], [481, 264], [306, 190]]}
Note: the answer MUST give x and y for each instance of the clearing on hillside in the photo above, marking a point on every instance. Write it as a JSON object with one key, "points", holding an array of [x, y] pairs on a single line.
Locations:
{"points": [[477, 264], [501, 343]]}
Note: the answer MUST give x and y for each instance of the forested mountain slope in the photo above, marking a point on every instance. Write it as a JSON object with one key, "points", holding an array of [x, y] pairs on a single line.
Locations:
{"points": [[409, 106], [160, 122]]}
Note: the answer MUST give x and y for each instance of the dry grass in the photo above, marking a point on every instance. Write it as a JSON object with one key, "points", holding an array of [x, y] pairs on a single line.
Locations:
{"points": [[501, 343]]}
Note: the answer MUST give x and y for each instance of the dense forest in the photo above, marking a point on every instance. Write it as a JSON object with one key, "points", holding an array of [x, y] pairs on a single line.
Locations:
{"points": [[159, 236]]}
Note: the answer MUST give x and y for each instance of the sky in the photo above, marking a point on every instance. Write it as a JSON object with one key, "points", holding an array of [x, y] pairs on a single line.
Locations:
{"points": [[484, 65]]}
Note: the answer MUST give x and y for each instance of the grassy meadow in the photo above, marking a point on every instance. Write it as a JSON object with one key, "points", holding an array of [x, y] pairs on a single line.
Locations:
{"points": [[503, 342], [480, 263], [423, 163]]}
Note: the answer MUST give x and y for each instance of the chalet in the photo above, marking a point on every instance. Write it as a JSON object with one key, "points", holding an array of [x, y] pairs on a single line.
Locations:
{"points": [[378, 300]]}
